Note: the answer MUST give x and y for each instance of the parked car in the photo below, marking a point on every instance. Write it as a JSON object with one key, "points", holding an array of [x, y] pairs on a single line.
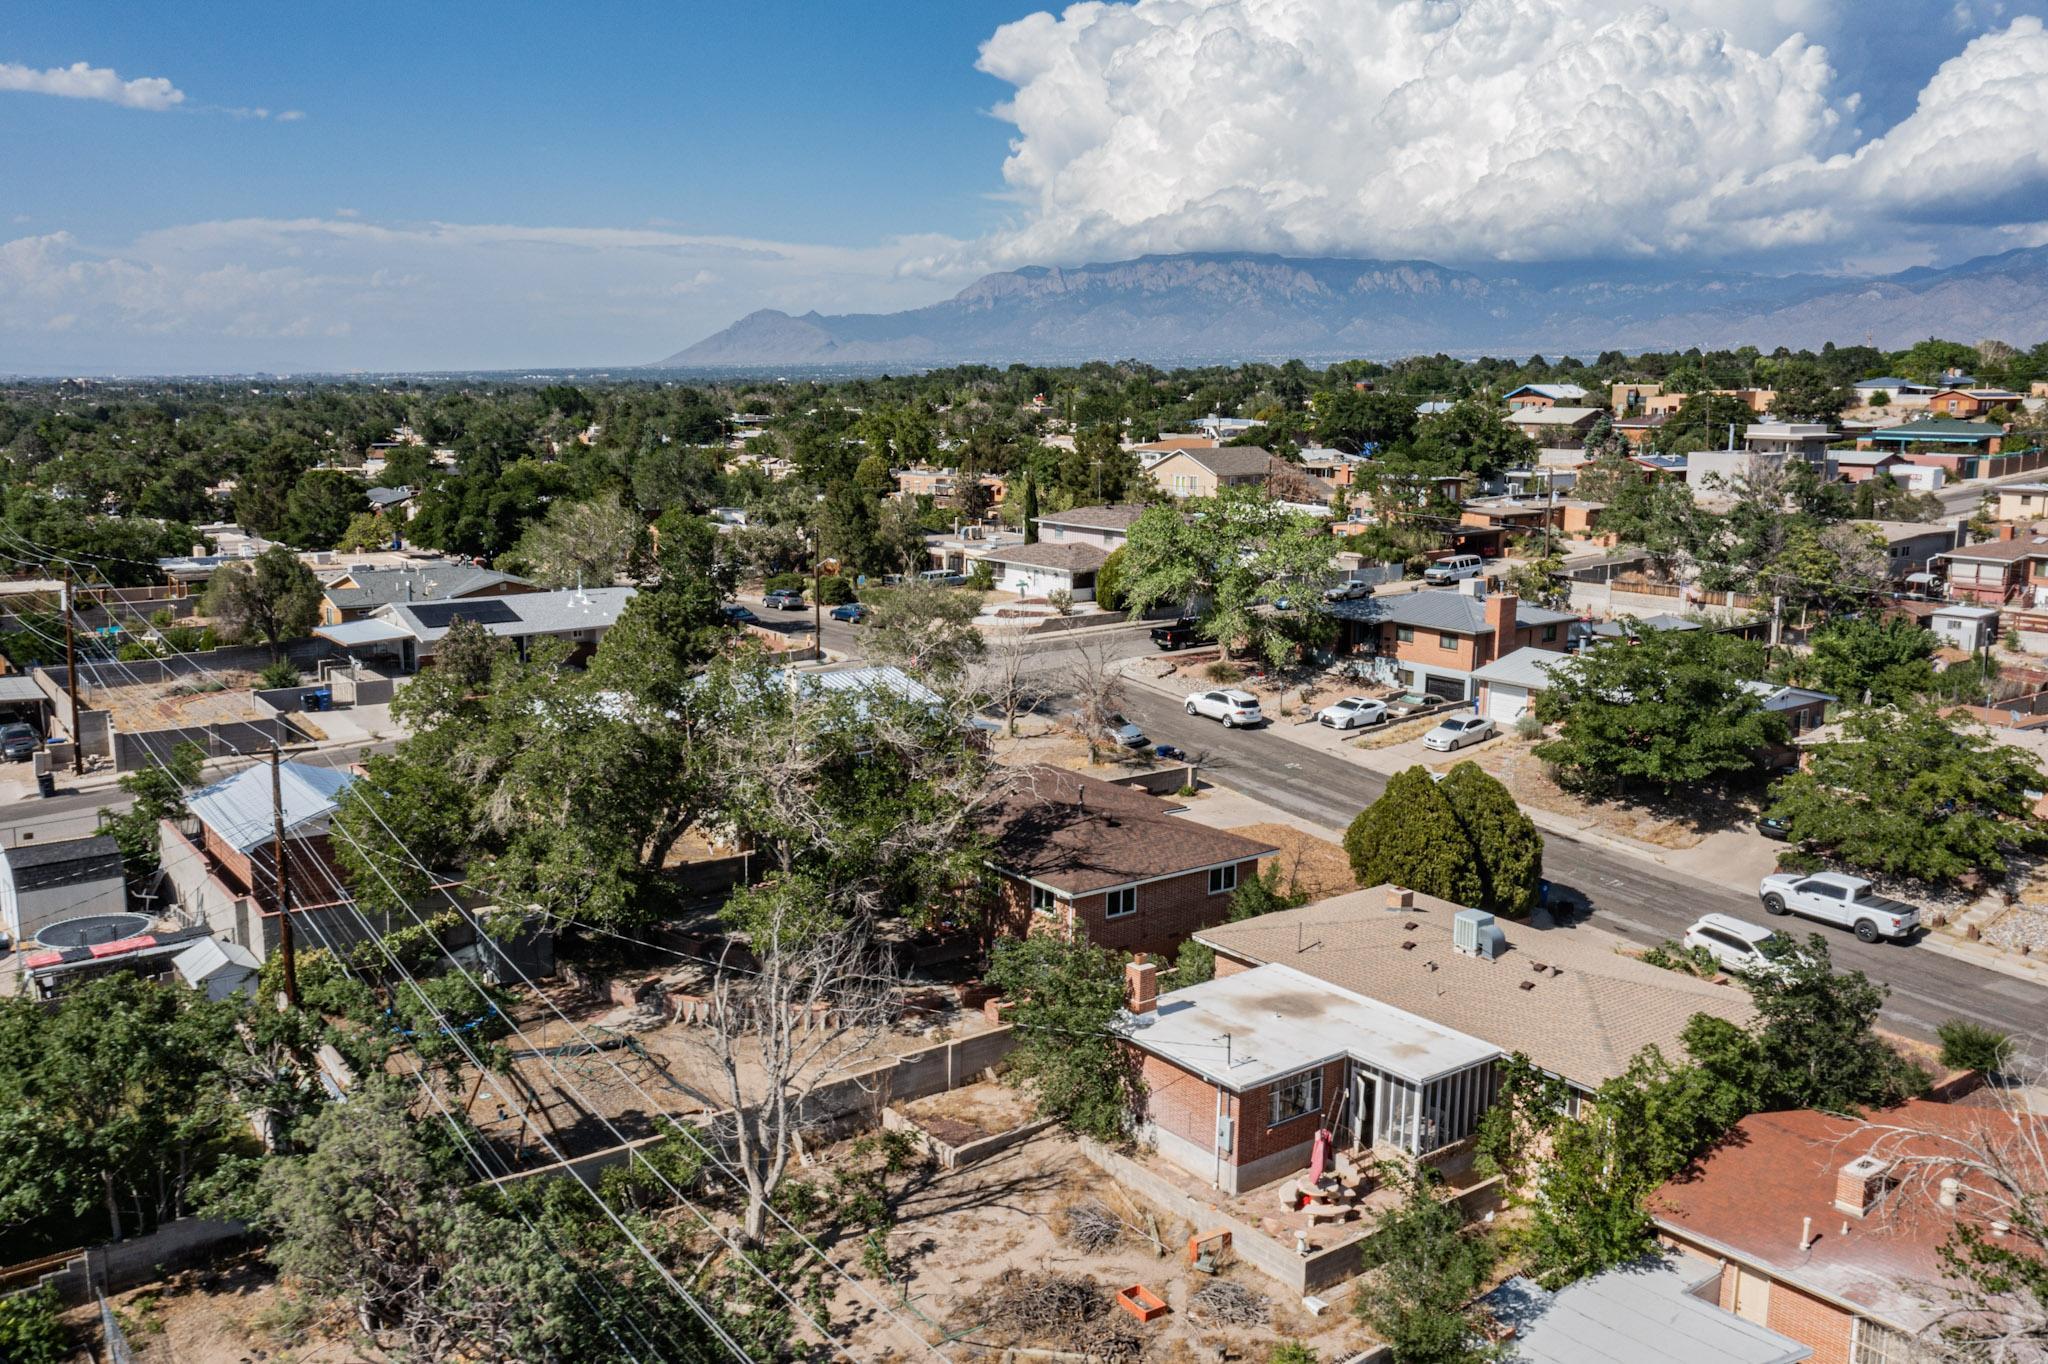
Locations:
{"points": [[1353, 712], [1178, 635], [18, 742], [1837, 899], [1235, 708], [1458, 731], [1347, 591], [739, 615], [1123, 733], [1777, 830], [849, 611], [944, 577], [784, 599], [1456, 567], [1739, 946]]}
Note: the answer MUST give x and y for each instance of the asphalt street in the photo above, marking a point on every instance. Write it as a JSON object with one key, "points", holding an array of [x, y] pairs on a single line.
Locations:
{"points": [[1627, 895]]}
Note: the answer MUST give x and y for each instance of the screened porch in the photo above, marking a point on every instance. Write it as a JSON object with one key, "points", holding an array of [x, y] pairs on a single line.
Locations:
{"points": [[1418, 1116]]}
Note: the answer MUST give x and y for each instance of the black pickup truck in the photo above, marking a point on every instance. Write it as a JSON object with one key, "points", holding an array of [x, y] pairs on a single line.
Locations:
{"points": [[1179, 635]]}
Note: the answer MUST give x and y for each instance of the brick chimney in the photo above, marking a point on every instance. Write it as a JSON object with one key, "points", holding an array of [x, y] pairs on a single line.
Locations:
{"points": [[1141, 986], [1860, 1184], [1500, 614], [2008, 532], [1400, 898]]}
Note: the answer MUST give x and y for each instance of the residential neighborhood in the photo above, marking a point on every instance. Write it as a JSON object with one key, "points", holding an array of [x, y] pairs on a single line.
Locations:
{"points": [[1210, 853]]}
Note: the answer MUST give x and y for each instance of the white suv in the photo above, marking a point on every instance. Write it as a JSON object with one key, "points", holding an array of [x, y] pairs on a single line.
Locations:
{"points": [[1233, 707], [1738, 946]]}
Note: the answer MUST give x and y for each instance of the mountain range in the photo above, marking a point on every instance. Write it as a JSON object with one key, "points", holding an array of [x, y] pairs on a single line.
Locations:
{"points": [[1220, 307]]}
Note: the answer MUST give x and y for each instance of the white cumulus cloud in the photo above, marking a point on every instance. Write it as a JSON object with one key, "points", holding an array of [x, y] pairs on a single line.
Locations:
{"points": [[1517, 129], [79, 81]]}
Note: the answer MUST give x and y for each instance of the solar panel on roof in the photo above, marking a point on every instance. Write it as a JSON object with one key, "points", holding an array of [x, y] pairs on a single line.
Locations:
{"points": [[441, 615]]}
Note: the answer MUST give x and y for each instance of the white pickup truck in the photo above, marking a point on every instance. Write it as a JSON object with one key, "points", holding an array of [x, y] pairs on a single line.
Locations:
{"points": [[1837, 899]]}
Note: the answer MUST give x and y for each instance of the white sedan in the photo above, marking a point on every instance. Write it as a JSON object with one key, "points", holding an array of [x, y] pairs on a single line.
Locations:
{"points": [[1233, 707], [1455, 733], [1353, 712]]}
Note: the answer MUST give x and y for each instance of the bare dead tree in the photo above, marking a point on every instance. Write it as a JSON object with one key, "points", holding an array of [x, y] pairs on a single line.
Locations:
{"points": [[809, 1010], [1007, 678], [1982, 1173], [1097, 692]]}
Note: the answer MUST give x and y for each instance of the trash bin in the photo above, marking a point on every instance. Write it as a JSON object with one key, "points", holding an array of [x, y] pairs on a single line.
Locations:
{"points": [[46, 783], [324, 698]]}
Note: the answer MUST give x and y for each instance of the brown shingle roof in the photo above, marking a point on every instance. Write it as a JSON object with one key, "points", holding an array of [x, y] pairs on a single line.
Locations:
{"points": [[1233, 461], [1588, 1011], [1748, 1197], [1079, 835], [1074, 558]]}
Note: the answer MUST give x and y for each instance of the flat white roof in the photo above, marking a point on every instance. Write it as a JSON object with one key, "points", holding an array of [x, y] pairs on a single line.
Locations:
{"points": [[1273, 1021]]}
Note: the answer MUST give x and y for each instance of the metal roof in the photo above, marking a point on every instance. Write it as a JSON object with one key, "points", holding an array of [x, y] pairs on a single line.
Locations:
{"points": [[1281, 1022], [210, 956], [1638, 1311], [1438, 609], [19, 689], [1940, 429], [1554, 391], [355, 634], [528, 613], [238, 811]]}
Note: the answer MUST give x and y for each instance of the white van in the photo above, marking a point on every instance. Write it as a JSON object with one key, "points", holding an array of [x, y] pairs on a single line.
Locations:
{"points": [[1455, 568]]}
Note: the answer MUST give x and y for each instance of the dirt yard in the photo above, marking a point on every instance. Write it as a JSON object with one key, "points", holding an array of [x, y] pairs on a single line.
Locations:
{"points": [[232, 1314], [987, 1108], [1312, 866], [1513, 760], [971, 1231]]}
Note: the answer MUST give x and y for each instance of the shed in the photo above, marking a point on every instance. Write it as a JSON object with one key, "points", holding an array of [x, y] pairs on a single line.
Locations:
{"points": [[1968, 628], [41, 883], [219, 968]]}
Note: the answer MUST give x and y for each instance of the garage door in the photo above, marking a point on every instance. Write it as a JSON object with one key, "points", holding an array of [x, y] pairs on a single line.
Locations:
{"points": [[1504, 704], [1444, 688]]}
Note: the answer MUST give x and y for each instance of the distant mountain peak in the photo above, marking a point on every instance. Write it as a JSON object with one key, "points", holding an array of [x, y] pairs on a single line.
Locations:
{"points": [[1225, 306]]}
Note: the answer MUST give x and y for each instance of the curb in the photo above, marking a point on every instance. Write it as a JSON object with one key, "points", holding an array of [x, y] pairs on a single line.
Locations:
{"points": [[1989, 959]]}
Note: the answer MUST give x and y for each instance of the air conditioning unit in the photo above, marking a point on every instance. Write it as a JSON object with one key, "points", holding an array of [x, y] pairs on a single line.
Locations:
{"points": [[1474, 933]]}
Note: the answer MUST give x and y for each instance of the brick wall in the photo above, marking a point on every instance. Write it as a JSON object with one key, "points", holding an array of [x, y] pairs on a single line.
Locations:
{"points": [[1823, 1327], [1182, 1106], [1169, 911]]}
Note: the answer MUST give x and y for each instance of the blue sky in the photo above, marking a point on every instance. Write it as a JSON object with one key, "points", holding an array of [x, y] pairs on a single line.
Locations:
{"points": [[234, 186]]}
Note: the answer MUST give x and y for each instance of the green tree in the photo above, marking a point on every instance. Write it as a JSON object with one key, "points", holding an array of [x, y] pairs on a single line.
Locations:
{"points": [[367, 530], [1972, 1046], [1471, 437], [320, 507], [1411, 836], [1423, 1273], [581, 544], [117, 1092], [1883, 661], [1065, 994], [1109, 581], [1030, 510], [1233, 556], [1912, 793], [1356, 420], [273, 598], [1263, 894], [32, 1328], [1666, 711], [1806, 393], [926, 628], [1507, 846], [159, 794]]}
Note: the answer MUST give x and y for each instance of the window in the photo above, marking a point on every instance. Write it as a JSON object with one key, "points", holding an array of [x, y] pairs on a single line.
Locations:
{"points": [[1881, 1344], [1404, 634], [1296, 1096], [1222, 879], [1446, 641], [1043, 901], [1118, 903], [1549, 634]]}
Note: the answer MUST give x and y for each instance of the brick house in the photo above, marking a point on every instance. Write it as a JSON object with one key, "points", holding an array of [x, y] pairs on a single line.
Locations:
{"points": [[1969, 402], [1433, 641], [236, 828], [1073, 854], [1829, 1229], [1569, 1000], [1543, 395], [1241, 1072]]}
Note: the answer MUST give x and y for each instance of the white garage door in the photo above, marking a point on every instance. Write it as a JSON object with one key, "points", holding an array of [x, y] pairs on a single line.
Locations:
{"points": [[1504, 704]]}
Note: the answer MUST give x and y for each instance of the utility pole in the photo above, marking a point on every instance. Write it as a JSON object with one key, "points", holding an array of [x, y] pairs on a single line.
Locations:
{"points": [[71, 680], [817, 602], [284, 881]]}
